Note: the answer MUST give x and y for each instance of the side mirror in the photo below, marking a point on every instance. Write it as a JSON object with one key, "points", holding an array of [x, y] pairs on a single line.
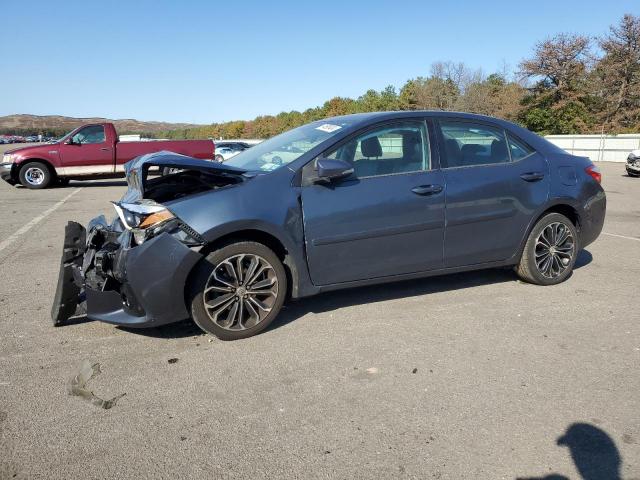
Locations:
{"points": [[70, 141], [330, 170]]}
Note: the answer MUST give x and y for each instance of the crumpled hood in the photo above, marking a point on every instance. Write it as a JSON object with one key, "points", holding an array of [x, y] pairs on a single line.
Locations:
{"points": [[136, 170]]}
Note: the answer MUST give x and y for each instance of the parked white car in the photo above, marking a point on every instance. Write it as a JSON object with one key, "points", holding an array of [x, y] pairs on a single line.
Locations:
{"points": [[633, 163], [227, 150]]}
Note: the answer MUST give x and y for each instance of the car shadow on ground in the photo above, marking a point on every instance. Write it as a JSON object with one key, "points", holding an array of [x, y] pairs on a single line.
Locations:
{"points": [[330, 301], [593, 452], [584, 258], [83, 184]]}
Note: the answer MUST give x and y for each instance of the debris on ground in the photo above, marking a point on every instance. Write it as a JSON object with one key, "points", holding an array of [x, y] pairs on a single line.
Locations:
{"points": [[415, 370], [79, 382], [172, 360]]}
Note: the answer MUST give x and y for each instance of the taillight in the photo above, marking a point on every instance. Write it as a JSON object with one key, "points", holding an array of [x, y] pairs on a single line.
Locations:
{"points": [[594, 172]]}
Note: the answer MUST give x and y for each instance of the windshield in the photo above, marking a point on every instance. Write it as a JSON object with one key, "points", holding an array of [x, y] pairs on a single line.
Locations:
{"points": [[60, 139], [286, 147]]}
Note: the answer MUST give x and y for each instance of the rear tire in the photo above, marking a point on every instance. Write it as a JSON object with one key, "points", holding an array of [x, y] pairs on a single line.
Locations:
{"points": [[550, 252], [232, 305], [35, 175]]}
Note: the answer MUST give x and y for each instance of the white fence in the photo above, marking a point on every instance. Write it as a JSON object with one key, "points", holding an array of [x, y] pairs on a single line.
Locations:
{"points": [[599, 148]]}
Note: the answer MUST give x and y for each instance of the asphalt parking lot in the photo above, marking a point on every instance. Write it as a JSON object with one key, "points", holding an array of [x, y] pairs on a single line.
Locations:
{"points": [[470, 376]]}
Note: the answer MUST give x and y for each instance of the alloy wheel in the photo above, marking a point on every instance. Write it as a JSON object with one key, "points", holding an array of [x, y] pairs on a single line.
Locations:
{"points": [[240, 292], [34, 176], [554, 250]]}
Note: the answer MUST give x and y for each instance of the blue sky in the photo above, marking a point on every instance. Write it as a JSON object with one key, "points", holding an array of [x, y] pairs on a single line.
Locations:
{"points": [[204, 61]]}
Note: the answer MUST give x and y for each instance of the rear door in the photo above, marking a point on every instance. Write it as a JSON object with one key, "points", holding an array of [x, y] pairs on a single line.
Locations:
{"points": [[495, 183], [387, 218], [89, 152]]}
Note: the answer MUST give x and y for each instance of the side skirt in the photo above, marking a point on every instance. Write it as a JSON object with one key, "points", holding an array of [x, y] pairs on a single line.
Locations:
{"points": [[416, 275]]}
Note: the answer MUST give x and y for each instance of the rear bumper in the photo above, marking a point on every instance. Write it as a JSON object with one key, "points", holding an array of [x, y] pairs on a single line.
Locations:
{"points": [[592, 220], [143, 286]]}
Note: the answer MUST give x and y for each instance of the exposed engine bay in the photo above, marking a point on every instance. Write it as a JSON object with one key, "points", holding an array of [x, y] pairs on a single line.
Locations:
{"points": [[180, 183]]}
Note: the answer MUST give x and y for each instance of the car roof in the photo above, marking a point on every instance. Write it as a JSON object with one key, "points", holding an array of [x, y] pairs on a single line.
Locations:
{"points": [[368, 117]]}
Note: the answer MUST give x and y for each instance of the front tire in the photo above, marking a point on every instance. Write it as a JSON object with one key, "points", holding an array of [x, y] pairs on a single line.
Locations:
{"points": [[35, 175], [550, 252], [238, 290]]}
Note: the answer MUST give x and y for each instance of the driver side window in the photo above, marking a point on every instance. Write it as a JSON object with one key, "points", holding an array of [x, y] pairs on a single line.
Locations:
{"points": [[387, 150], [89, 135]]}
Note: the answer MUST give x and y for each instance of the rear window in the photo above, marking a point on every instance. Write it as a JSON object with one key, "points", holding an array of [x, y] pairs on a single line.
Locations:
{"points": [[518, 148], [468, 144]]}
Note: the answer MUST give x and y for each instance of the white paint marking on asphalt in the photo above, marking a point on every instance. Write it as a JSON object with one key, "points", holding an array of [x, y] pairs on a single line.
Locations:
{"points": [[621, 236], [32, 223]]}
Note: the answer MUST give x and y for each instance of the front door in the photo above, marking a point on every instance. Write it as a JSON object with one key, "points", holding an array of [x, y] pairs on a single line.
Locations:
{"points": [[87, 152], [495, 182], [387, 218]]}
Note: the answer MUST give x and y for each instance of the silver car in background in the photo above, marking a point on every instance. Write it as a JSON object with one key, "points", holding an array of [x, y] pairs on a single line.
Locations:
{"points": [[227, 150], [633, 164]]}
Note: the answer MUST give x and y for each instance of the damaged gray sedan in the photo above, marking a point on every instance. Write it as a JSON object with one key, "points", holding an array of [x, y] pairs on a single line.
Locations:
{"points": [[343, 202]]}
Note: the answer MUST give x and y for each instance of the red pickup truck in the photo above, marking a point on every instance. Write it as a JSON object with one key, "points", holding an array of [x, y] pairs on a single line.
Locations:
{"points": [[89, 151]]}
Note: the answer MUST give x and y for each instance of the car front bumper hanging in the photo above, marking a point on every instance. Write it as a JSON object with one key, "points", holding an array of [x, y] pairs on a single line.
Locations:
{"points": [[123, 286]]}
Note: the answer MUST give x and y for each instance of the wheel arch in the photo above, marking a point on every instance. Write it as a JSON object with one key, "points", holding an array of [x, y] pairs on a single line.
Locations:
{"points": [[565, 209], [564, 206], [19, 166], [268, 239]]}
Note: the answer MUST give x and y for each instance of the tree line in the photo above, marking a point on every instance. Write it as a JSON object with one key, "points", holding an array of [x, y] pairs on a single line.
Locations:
{"points": [[570, 84]]}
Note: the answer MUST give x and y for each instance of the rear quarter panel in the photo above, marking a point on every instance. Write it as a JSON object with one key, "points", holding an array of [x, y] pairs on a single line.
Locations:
{"points": [[572, 185]]}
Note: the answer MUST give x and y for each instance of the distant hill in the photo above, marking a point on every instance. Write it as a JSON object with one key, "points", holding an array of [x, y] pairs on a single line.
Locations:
{"points": [[57, 124]]}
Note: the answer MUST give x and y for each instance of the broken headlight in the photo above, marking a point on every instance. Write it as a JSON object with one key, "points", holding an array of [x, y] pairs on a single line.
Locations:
{"points": [[146, 221]]}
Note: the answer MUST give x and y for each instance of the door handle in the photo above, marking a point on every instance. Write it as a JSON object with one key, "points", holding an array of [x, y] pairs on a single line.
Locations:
{"points": [[427, 189], [532, 176], [105, 149]]}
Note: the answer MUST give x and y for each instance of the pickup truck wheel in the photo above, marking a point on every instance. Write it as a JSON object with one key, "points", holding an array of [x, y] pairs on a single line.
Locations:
{"points": [[35, 175], [238, 290]]}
